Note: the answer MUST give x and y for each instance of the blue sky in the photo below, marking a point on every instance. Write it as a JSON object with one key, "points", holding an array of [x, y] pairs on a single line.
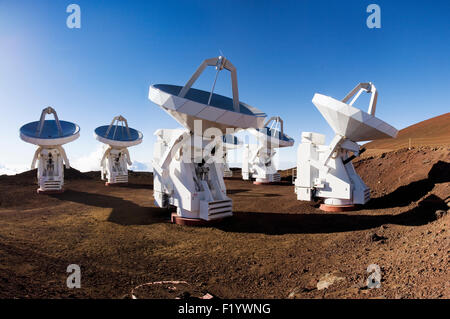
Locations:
{"points": [[285, 51]]}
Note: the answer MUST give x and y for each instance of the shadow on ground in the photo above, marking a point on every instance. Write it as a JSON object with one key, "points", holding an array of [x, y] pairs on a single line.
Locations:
{"points": [[124, 212], [139, 186], [314, 223], [405, 195], [283, 223], [236, 191]]}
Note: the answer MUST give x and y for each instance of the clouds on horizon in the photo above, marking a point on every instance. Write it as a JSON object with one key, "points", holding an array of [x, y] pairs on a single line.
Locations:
{"points": [[90, 162], [13, 169]]}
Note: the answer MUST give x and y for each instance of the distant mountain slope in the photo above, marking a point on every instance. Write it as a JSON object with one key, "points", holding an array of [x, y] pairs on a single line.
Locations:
{"points": [[431, 132]]}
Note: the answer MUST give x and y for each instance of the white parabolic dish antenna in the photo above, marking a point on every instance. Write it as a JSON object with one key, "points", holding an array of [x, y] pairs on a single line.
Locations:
{"points": [[186, 104], [326, 171], [257, 159], [49, 132], [116, 157], [186, 173], [50, 135], [351, 122], [118, 136], [273, 133]]}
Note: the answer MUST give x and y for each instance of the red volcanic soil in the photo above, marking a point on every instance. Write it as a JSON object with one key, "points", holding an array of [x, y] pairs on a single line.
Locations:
{"points": [[431, 132], [273, 247]]}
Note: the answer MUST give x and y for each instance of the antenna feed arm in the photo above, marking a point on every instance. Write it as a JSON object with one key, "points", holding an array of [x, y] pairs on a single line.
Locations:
{"points": [[368, 87], [118, 119], [276, 120], [220, 63], [48, 110]]}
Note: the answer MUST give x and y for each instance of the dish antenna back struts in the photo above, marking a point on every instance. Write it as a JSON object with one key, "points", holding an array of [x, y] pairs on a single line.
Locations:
{"points": [[118, 136], [50, 135], [187, 163], [257, 159], [327, 171]]}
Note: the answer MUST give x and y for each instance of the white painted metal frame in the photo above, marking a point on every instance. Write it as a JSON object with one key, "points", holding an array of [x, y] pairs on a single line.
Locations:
{"points": [[50, 156], [361, 87], [116, 158], [48, 110], [196, 187], [220, 63], [257, 159], [327, 171], [120, 120]]}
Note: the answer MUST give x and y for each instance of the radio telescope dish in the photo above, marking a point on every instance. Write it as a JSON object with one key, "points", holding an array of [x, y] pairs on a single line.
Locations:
{"points": [[351, 122], [273, 133], [186, 104], [50, 135], [257, 159], [49, 132], [118, 136], [116, 157], [184, 174], [326, 171]]}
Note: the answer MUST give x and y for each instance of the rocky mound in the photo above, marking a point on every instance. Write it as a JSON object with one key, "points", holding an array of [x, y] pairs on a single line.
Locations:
{"points": [[431, 132]]}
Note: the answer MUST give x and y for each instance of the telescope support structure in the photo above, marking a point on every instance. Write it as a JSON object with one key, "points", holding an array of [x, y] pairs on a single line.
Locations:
{"points": [[326, 171], [257, 161], [50, 159], [185, 178], [114, 167], [50, 168]]}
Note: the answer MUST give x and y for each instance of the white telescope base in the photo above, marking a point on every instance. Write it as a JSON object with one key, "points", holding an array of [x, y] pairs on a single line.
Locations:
{"points": [[257, 163], [337, 202], [114, 167], [117, 137], [327, 171], [49, 136], [227, 172], [50, 171], [324, 173], [337, 205], [268, 179], [196, 189]]}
